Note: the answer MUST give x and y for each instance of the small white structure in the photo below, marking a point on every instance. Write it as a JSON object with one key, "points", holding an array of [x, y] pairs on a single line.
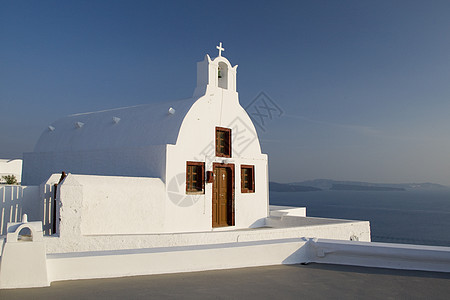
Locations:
{"points": [[200, 157], [23, 260], [10, 167]]}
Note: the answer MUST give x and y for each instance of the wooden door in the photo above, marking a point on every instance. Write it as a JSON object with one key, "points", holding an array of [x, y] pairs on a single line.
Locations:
{"points": [[223, 208]]}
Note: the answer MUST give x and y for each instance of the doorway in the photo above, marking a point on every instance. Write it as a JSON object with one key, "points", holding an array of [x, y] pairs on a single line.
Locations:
{"points": [[223, 195]]}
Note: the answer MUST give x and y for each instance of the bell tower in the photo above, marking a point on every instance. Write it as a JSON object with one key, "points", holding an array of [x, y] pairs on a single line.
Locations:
{"points": [[215, 73]]}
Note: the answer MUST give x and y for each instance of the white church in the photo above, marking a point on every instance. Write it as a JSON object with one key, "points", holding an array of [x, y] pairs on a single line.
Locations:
{"points": [[170, 187], [200, 157]]}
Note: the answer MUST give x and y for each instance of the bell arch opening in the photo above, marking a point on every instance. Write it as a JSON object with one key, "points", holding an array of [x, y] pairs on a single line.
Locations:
{"points": [[25, 234], [222, 75]]}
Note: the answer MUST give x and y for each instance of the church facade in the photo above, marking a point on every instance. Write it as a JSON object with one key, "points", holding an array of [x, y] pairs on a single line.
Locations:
{"points": [[199, 158]]}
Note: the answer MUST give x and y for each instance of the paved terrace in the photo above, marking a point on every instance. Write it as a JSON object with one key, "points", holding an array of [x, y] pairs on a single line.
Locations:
{"points": [[313, 281]]}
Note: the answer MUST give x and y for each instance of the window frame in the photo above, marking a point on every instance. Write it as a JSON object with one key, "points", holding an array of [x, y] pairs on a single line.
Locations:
{"points": [[244, 189], [202, 167], [228, 132]]}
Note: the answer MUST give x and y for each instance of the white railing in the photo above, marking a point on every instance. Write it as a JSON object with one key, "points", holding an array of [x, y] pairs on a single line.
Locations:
{"points": [[15, 200]]}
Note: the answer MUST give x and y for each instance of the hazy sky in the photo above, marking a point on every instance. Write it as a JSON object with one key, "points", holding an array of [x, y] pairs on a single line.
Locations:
{"points": [[364, 85]]}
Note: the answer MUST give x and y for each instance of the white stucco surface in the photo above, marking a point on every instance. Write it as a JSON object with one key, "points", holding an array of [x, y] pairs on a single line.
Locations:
{"points": [[280, 211], [380, 255], [10, 167], [175, 259], [245, 254], [237, 254], [74, 241], [23, 262], [98, 205]]}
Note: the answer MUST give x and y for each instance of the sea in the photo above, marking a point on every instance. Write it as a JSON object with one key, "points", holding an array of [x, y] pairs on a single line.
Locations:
{"points": [[415, 216]]}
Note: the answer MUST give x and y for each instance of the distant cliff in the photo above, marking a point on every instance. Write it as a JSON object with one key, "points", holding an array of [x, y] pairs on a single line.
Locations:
{"points": [[283, 187], [326, 184], [351, 187]]}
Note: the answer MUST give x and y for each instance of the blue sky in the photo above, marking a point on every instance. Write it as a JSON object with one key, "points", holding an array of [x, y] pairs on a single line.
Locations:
{"points": [[364, 85]]}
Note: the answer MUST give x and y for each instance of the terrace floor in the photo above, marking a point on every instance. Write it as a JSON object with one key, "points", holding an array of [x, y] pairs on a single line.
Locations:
{"points": [[314, 281]]}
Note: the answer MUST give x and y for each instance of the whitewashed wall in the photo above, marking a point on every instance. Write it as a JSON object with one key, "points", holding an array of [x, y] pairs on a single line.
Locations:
{"points": [[196, 142], [96, 205]]}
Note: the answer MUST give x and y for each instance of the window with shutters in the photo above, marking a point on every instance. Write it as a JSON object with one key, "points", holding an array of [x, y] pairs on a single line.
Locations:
{"points": [[223, 142], [195, 177], [247, 179]]}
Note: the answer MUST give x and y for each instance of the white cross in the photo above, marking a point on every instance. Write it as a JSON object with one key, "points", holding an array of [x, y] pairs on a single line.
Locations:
{"points": [[220, 48]]}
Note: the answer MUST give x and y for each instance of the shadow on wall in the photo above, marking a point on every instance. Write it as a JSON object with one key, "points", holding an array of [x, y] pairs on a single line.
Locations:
{"points": [[16, 200], [46, 209]]}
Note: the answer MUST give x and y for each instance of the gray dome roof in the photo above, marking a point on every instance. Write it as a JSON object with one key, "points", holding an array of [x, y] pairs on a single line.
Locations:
{"points": [[135, 126]]}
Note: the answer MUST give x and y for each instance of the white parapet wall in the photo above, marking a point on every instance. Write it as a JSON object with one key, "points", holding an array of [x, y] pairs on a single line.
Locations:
{"points": [[238, 254], [101, 256], [103, 264], [294, 227], [287, 242], [175, 259], [78, 253], [280, 211], [380, 255]]}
